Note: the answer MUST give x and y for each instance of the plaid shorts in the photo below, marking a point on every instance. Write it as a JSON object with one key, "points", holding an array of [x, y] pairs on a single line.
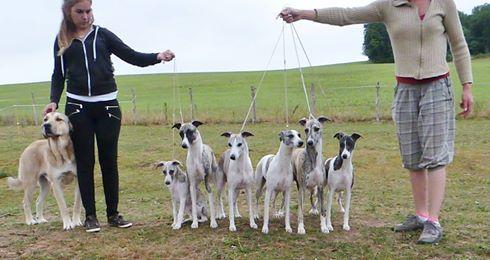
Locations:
{"points": [[425, 123]]}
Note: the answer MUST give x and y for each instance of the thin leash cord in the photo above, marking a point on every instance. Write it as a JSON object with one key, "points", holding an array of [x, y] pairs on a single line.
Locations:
{"points": [[173, 111], [262, 79], [301, 72], [285, 78]]}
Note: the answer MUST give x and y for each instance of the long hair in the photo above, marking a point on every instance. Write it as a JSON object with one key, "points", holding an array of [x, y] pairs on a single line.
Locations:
{"points": [[68, 29]]}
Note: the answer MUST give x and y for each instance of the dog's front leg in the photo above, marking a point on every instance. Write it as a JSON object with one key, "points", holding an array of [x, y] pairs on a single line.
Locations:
{"points": [[231, 216], [58, 194], [323, 225], [180, 214], [213, 223], [250, 207], [287, 199], [347, 207], [301, 225], [331, 192], [193, 188], [174, 212], [77, 207], [267, 200]]}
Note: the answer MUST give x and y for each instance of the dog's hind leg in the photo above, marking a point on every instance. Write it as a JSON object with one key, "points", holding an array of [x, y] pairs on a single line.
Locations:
{"points": [[77, 207], [235, 199], [339, 201], [220, 185], [259, 184], [347, 207], [44, 184], [58, 194], [28, 196], [250, 207], [287, 199], [301, 225], [323, 225], [314, 201]]}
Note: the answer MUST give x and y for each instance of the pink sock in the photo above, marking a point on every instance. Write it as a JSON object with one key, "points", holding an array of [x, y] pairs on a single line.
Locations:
{"points": [[422, 216], [433, 219]]}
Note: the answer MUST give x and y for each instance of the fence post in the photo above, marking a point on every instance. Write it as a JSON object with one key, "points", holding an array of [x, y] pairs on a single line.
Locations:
{"points": [[165, 111], [254, 111], [313, 99], [133, 101], [192, 103], [378, 103], [34, 110]]}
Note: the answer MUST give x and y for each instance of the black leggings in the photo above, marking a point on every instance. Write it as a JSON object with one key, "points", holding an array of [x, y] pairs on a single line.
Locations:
{"points": [[102, 119]]}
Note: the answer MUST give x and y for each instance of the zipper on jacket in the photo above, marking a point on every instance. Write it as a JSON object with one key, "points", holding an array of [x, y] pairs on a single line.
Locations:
{"points": [[88, 72]]}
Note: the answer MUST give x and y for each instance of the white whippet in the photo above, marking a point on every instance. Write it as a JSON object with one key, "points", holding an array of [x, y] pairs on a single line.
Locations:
{"points": [[237, 168], [340, 176], [276, 173], [201, 166], [178, 184], [308, 169]]}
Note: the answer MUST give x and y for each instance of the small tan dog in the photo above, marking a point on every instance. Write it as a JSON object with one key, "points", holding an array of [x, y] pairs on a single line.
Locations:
{"points": [[45, 162]]}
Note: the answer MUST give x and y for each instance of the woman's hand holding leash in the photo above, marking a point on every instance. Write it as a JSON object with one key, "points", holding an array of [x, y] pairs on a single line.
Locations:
{"points": [[290, 15], [167, 55]]}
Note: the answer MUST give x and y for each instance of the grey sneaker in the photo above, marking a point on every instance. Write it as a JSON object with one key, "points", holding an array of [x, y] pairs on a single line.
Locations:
{"points": [[432, 233], [91, 224], [118, 221], [411, 223]]}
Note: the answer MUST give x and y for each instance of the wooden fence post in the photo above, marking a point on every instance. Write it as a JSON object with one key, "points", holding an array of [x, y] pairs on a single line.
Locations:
{"points": [[313, 99], [192, 103], [133, 101], [378, 103], [165, 111], [254, 111], [34, 110]]}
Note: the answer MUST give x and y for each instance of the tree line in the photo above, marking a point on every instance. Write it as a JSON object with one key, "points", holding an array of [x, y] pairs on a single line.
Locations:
{"points": [[476, 28]]}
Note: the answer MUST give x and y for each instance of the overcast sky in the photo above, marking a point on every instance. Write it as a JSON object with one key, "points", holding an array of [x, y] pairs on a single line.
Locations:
{"points": [[224, 35]]}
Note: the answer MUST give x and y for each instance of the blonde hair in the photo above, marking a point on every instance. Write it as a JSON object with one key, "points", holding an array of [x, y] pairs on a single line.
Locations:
{"points": [[68, 29]]}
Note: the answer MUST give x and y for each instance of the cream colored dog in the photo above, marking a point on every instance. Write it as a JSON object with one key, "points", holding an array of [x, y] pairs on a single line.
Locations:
{"points": [[45, 162]]}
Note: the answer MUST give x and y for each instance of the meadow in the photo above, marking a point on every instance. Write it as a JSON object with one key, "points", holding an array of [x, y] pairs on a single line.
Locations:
{"points": [[381, 196]]}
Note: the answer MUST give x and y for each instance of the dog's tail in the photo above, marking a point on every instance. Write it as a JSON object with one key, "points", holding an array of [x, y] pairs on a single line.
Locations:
{"points": [[14, 184]]}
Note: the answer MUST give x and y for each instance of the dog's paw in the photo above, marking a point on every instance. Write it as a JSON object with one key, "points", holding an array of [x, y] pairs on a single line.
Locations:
{"points": [[68, 225], [194, 224], [329, 227], [324, 230], [346, 227], [314, 211], [41, 220], [177, 226], [265, 230], [253, 225], [301, 230], [77, 222], [220, 216], [278, 214], [237, 215], [31, 222], [213, 224], [289, 230], [233, 228]]}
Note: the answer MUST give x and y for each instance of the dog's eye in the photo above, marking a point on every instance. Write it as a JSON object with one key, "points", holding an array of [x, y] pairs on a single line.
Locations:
{"points": [[299, 135], [290, 136], [229, 144], [307, 130], [59, 119], [171, 172], [45, 119], [164, 172], [240, 144], [316, 129]]}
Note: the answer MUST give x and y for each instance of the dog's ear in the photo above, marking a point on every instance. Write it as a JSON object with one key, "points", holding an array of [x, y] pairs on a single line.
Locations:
{"points": [[323, 119], [247, 134], [176, 163], [226, 134], [197, 123], [339, 135], [302, 121], [355, 136], [158, 164], [177, 126], [281, 136]]}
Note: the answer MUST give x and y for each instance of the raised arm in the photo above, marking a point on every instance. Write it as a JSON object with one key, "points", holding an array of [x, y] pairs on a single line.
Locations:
{"points": [[57, 80]]}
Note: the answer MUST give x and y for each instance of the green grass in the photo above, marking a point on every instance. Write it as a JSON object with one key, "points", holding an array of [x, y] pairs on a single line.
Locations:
{"points": [[381, 198], [344, 91]]}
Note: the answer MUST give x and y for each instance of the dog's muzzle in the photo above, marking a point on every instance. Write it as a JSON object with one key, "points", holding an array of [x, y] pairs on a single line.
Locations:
{"points": [[47, 131]]}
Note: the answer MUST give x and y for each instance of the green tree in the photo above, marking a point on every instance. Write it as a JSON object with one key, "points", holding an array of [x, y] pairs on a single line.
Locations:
{"points": [[377, 45], [479, 27]]}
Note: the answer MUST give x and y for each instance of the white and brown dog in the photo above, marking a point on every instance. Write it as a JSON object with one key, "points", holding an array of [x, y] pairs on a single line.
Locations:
{"points": [[339, 173], [237, 169], [49, 162], [178, 184], [276, 173], [201, 166], [308, 168]]}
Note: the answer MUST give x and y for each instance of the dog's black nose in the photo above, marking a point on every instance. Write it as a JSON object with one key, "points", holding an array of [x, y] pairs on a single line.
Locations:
{"points": [[310, 143], [167, 183], [344, 156], [184, 146], [232, 157]]}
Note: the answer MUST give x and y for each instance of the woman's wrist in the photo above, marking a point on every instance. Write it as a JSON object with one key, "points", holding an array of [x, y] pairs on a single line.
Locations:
{"points": [[467, 86]]}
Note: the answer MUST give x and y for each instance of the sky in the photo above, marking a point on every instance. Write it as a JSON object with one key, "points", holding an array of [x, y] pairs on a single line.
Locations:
{"points": [[212, 35]]}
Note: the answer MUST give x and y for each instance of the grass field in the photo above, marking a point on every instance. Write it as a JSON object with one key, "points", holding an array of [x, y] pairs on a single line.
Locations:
{"points": [[344, 91], [381, 198]]}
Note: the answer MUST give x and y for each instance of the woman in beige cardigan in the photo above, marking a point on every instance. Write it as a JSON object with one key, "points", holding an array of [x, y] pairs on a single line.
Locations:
{"points": [[423, 109]]}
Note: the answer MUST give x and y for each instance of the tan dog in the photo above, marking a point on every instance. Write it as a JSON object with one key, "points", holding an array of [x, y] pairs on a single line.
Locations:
{"points": [[45, 162]]}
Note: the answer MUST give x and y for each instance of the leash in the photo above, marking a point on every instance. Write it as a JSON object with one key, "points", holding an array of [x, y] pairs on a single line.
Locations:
{"points": [[285, 78], [174, 85], [262, 79]]}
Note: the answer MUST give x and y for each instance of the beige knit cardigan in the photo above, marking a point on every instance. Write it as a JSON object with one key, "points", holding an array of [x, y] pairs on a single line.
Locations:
{"points": [[419, 46]]}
